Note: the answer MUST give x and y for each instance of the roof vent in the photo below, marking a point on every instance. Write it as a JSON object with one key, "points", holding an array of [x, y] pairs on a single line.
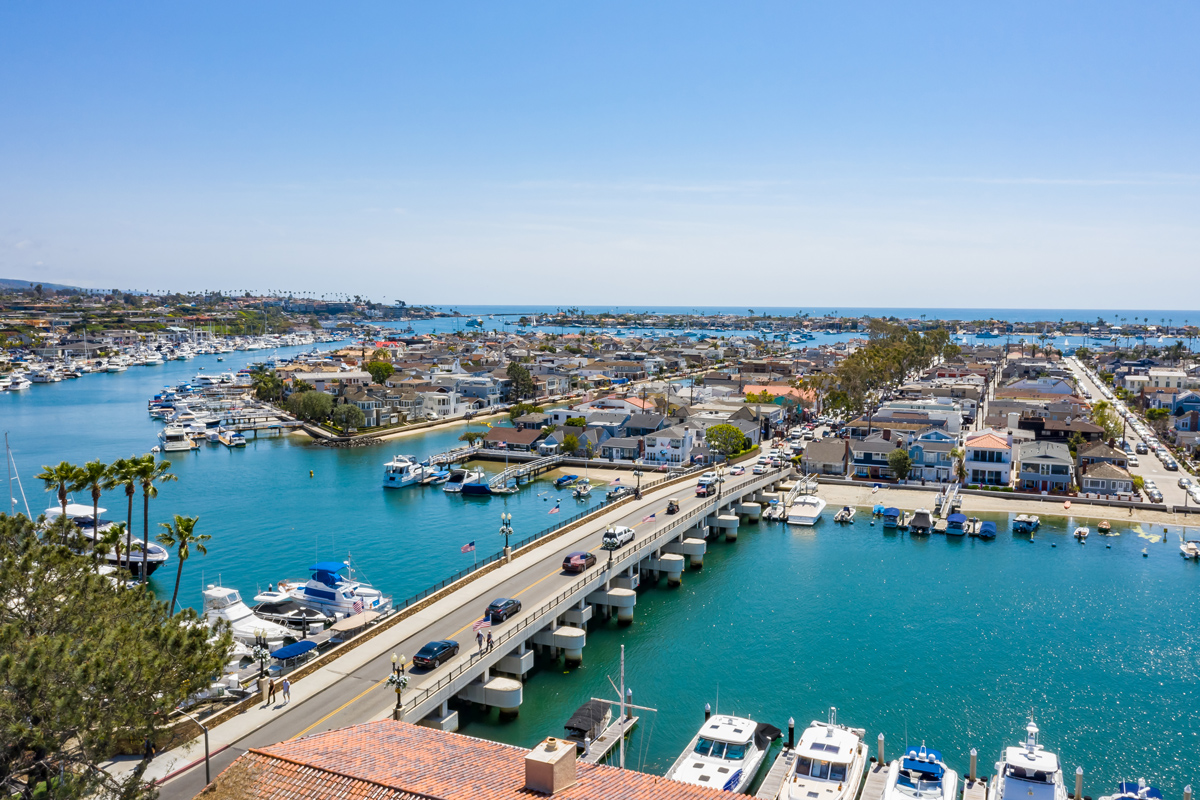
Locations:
{"points": [[550, 767]]}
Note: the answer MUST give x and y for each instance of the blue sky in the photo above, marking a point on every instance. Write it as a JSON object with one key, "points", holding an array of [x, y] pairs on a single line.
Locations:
{"points": [[889, 154]]}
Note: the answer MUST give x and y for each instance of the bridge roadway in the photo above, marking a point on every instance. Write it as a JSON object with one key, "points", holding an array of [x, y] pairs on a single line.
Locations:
{"points": [[358, 693]]}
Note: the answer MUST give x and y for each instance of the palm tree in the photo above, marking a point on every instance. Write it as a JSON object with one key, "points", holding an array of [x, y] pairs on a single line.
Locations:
{"points": [[110, 540], [92, 476], [149, 472], [960, 466], [60, 479], [123, 472], [182, 534]]}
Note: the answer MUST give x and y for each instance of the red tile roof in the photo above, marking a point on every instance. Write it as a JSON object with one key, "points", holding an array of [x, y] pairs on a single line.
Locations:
{"points": [[989, 441], [397, 761]]}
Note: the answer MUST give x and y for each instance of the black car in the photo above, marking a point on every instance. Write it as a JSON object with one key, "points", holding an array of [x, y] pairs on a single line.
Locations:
{"points": [[578, 562], [1141, 449], [503, 608], [435, 654]]}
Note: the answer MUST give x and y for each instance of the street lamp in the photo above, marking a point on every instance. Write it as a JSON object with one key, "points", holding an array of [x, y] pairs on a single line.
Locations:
{"points": [[203, 727], [506, 531]]}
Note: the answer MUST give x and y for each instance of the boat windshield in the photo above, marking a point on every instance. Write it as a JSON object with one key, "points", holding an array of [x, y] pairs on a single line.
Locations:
{"points": [[821, 769]]}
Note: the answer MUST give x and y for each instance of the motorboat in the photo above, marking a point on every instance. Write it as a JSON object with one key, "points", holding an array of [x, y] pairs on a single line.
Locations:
{"points": [[1026, 523], [583, 491], [155, 554], [726, 753], [458, 477], [878, 509], [846, 515], [920, 775], [565, 481], [956, 525], [588, 722], [1028, 770], [480, 486], [1082, 532], [281, 608], [891, 517], [806, 510], [921, 522], [1190, 549], [436, 476], [829, 763], [334, 595], [222, 604], [985, 529], [1104, 528], [175, 438], [1128, 790], [403, 471]]}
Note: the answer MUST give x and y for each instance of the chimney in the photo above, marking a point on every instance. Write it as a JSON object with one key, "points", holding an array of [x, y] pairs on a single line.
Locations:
{"points": [[550, 767]]}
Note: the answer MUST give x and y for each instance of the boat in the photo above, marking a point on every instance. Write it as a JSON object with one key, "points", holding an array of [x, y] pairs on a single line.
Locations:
{"points": [[1104, 528], [458, 477], [877, 510], [175, 438], [891, 516], [334, 595], [565, 481], [587, 723], [1128, 790], [846, 515], [986, 529], [726, 753], [480, 486], [281, 608], [921, 522], [229, 438], [1081, 533], [1190, 549], [403, 471], [436, 476], [956, 525], [1026, 523], [805, 510], [830, 759], [1028, 770], [920, 775], [155, 555], [222, 604], [583, 491]]}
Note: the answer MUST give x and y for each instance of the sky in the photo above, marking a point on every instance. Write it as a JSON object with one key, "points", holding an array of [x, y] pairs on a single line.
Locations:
{"points": [[916, 154]]}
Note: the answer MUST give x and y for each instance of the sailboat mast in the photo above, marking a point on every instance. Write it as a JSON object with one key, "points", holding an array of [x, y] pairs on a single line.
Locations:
{"points": [[621, 719]]}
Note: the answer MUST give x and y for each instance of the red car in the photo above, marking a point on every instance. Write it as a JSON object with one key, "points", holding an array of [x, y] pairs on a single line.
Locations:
{"points": [[578, 562]]}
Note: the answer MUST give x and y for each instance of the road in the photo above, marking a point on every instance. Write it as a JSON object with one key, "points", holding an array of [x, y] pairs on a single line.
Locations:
{"points": [[360, 695]]}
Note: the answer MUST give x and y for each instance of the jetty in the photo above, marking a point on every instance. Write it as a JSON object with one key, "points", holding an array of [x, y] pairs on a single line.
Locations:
{"points": [[455, 455], [769, 789], [525, 471], [604, 744], [876, 781]]}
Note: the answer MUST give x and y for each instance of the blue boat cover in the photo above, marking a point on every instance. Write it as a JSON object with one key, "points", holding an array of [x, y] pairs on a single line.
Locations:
{"points": [[295, 649], [327, 566], [957, 518], [987, 529], [1131, 787], [913, 762], [878, 509], [891, 512]]}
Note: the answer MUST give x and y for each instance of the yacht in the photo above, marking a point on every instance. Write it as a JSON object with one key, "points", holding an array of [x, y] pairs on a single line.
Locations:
{"points": [[1026, 523], [1028, 770], [175, 438], [725, 754], [921, 522], [920, 775], [806, 510], [1128, 790], [403, 471], [460, 476], [334, 595], [281, 608], [222, 604], [829, 763], [1190, 549], [155, 556], [18, 383]]}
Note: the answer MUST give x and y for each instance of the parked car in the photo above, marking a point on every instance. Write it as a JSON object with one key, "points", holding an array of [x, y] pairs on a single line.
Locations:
{"points": [[1133, 461], [672, 506], [503, 608], [1184, 482], [436, 653], [1141, 449], [1171, 464], [578, 561], [617, 536]]}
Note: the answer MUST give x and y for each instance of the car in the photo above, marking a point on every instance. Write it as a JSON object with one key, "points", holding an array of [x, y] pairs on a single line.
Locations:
{"points": [[1156, 497], [1171, 465], [1133, 461], [578, 561], [501, 609], [1141, 449], [737, 470], [759, 469], [617, 536], [1184, 482], [435, 654]]}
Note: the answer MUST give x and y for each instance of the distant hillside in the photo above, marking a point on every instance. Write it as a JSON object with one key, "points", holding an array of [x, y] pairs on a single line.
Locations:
{"points": [[12, 283]]}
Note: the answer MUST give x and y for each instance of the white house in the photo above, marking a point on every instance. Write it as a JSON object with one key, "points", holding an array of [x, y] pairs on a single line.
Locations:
{"points": [[989, 459]]}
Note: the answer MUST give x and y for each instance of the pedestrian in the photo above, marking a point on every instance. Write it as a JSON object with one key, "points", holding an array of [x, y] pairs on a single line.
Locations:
{"points": [[479, 640], [149, 751], [287, 691], [491, 644], [270, 690]]}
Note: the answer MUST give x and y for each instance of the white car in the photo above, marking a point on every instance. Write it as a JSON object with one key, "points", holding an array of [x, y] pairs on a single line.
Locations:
{"points": [[1133, 461], [617, 536], [759, 468]]}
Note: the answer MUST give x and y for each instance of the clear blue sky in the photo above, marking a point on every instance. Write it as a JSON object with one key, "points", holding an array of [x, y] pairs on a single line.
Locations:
{"points": [[662, 153]]}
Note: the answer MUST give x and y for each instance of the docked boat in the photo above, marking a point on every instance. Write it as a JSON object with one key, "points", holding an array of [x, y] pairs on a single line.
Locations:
{"points": [[458, 477], [1104, 528], [1026, 523], [830, 759], [920, 775], [878, 509], [956, 525], [231, 438], [583, 491], [1082, 532], [805, 510], [1028, 770], [436, 476], [175, 438], [283, 609], [335, 595], [222, 604], [1190, 549], [725, 754], [986, 529], [588, 722], [155, 554], [921, 522], [1128, 790], [403, 471], [891, 517], [565, 481], [846, 515], [479, 486]]}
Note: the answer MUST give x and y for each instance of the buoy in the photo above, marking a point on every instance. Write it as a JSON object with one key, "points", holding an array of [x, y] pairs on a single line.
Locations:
{"points": [[1108, 547], [1054, 545], [1144, 553], [310, 473]]}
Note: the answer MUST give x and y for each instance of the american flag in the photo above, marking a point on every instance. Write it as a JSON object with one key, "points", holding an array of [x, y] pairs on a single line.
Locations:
{"points": [[469, 547], [555, 509], [616, 480], [358, 606], [486, 622], [652, 516], [501, 445]]}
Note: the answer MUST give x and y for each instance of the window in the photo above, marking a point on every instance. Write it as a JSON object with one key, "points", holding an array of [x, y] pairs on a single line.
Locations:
{"points": [[703, 746]]}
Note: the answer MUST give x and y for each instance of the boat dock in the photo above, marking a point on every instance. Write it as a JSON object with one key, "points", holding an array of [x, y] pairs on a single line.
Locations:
{"points": [[974, 790], [455, 455], [527, 470], [608, 740], [876, 781], [769, 790]]}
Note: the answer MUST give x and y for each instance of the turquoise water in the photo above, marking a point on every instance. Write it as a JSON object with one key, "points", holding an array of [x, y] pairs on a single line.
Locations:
{"points": [[955, 640]]}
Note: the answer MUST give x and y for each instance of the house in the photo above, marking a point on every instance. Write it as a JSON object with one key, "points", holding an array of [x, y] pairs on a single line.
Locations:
{"points": [[521, 439], [1045, 385], [1044, 466], [329, 381], [670, 445], [988, 459], [534, 419], [869, 456], [929, 454], [370, 404], [1102, 453], [623, 448], [1184, 403], [826, 457], [642, 424], [1163, 378], [1105, 479], [1052, 430]]}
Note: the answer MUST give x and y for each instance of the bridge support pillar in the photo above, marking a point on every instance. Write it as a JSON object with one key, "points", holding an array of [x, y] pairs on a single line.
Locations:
{"points": [[570, 639]]}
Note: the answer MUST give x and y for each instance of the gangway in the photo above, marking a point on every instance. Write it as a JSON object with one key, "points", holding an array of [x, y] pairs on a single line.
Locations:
{"points": [[804, 485], [953, 502], [455, 455], [527, 469]]}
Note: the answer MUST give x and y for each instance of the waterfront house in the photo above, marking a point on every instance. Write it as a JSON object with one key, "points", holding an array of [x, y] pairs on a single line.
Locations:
{"points": [[929, 453], [988, 459], [670, 445], [534, 419], [623, 448], [869, 456], [826, 457], [1102, 453], [1044, 466], [1105, 479], [520, 439]]}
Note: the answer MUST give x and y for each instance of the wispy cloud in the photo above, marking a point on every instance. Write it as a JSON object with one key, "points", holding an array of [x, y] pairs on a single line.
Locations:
{"points": [[656, 187], [1133, 180]]}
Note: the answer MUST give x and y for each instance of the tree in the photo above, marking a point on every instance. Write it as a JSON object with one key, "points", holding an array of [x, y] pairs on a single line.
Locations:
{"points": [[312, 406], [267, 384], [725, 440], [182, 534], [150, 471], [577, 422], [900, 463], [84, 665], [520, 410], [60, 479], [960, 464], [110, 540], [570, 443], [381, 354], [1104, 415], [380, 371], [348, 415], [471, 437], [523, 385], [92, 477], [762, 397], [124, 472], [1157, 417]]}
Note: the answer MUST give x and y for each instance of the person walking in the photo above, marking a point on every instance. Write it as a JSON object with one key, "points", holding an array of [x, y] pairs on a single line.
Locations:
{"points": [[149, 751], [491, 644], [270, 691], [479, 640], [287, 691]]}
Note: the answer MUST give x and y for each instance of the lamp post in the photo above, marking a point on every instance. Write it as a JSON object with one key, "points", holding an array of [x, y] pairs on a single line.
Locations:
{"points": [[203, 727], [506, 531]]}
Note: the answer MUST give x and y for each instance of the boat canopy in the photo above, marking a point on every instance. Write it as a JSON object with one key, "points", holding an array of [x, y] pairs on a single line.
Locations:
{"points": [[956, 519], [923, 761], [588, 719], [891, 512], [987, 528], [327, 566], [878, 509], [294, 649], [1132, 788]]}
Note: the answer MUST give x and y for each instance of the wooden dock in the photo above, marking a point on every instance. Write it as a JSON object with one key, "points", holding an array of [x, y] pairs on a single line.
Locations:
{"points": [[769, 790], [608, 740], [876, 782], [974, 790], [939, 526]]}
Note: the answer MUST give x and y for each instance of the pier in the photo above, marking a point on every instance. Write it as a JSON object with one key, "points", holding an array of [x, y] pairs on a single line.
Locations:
{"points": [[600, 748], [876, 780], [769, 790], [527, 470]]}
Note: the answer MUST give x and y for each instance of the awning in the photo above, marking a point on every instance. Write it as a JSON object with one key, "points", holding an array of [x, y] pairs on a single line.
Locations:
{"points": [[356, 621], [295, 649]]}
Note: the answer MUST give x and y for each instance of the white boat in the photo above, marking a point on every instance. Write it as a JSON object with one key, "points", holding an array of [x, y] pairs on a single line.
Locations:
{"points": [[458, 477], [920, 775], [845, 515], [222, 604], [175, 438], [583, 490], [1028, 771], [1128, 790], [283, 609], [1190, 549], [829, 763], [403, 471], [725, 754], [155, 554], [805, 510], [334, 595], [1082, 532]]}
